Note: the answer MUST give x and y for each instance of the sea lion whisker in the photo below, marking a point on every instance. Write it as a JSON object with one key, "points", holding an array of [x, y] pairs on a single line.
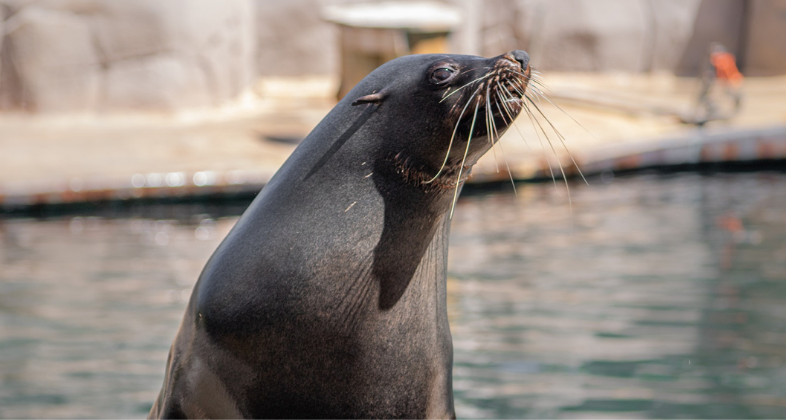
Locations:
{"points": [[540, 83], [521, 84], [536, 97], [512, 122], [537, 91], [504, 110], [508, 97], [446, 92], [490, 118], [452, 137], [541, 88], [520, 89], [539, 94], [459, 89], [544, 96], [536, 78], [561, 168], [507, 166], [508, 94], [502, 149], [505, 119], [528, 76], [508, 86], [489, 111], [536, 125], [461, 168], [562, 140]]}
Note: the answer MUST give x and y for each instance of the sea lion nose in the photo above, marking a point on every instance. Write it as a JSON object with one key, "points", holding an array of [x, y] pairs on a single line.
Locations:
{"points": [[522, 57]]}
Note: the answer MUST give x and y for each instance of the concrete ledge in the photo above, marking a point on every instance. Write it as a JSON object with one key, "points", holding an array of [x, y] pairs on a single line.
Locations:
{"points": [[139, 186], [697, 147], [226, 153]]}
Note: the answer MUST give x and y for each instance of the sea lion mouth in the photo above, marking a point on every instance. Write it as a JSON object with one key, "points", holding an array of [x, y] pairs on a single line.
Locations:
{"points": [[498, 96]]}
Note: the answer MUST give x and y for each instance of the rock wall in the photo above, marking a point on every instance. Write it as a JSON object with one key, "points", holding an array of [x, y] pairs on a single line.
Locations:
{"points": [[604, 35], [560, 35], [766, 38], [98, 55], [293, 40], [92, 55], [714, 21]]}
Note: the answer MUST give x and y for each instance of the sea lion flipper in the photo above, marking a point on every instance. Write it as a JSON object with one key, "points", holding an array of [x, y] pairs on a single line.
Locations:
{"points": [[374, 98]]}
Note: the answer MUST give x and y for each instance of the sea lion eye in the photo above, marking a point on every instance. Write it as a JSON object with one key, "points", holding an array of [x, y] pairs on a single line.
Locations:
{"points": [[441, 74]]}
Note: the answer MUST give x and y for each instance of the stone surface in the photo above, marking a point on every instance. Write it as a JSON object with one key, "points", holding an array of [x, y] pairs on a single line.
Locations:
{"points": [[600, 35], [294, 40], [54, 60], [766, 53], [74, 55], [715, 21], [160, 81], [57, 158], [213, 39]]}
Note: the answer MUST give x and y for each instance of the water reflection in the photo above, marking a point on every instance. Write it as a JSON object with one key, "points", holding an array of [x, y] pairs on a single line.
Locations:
{"points": [[656, 297], [646, 305], [88, 307]]}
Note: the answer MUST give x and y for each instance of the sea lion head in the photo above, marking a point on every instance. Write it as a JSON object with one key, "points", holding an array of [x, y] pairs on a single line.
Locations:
{"points": [[439, 113]]}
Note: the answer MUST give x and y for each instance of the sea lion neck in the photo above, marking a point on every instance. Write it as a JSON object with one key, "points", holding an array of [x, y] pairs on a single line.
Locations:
{"points": [[410, 173], [418, 218]]}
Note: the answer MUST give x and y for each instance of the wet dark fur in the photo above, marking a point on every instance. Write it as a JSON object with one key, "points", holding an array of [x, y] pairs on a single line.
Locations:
{"points": [[327, 298]]}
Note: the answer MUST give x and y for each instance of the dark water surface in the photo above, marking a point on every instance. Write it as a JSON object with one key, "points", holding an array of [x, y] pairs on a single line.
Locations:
{"points": [[658, 297]]}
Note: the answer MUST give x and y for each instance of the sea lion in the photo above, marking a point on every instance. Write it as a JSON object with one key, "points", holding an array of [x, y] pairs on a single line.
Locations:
{"points": [[327, 299]]}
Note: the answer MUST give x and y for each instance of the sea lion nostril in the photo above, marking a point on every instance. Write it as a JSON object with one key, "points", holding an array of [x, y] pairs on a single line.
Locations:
{"points": [[522, 57]]}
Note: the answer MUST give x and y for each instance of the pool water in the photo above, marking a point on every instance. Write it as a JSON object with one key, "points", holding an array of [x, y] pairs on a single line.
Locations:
{"points": [[648, 296]]}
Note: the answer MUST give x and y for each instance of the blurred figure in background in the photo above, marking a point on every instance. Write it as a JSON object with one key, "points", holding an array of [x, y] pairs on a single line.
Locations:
{"points": [[720, 70]]}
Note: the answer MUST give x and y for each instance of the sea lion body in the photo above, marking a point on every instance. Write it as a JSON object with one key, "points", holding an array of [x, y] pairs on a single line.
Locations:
{"points": [[328, 297]]}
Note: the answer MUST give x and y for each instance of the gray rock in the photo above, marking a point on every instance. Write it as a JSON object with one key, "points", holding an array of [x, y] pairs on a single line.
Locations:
{"points": [[75, 55], [112, 55], [162, 81], [601, 35], [218, 38], [293, 40], [52, 56], [714, 21], [766, 43]]}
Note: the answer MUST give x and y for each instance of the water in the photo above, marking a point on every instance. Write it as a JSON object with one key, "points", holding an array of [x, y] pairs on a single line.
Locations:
{"points": [[657, 297]]}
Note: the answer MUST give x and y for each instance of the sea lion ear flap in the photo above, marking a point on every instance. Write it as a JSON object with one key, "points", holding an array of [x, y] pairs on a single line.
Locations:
{"points": [[374, 98]]}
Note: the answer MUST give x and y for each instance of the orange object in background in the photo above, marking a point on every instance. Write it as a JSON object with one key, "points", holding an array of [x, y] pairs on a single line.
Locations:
{"points": [[726, 67]]}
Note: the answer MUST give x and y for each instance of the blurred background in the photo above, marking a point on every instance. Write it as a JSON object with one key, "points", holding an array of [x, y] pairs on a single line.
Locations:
{"points": [[134, 134]]}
